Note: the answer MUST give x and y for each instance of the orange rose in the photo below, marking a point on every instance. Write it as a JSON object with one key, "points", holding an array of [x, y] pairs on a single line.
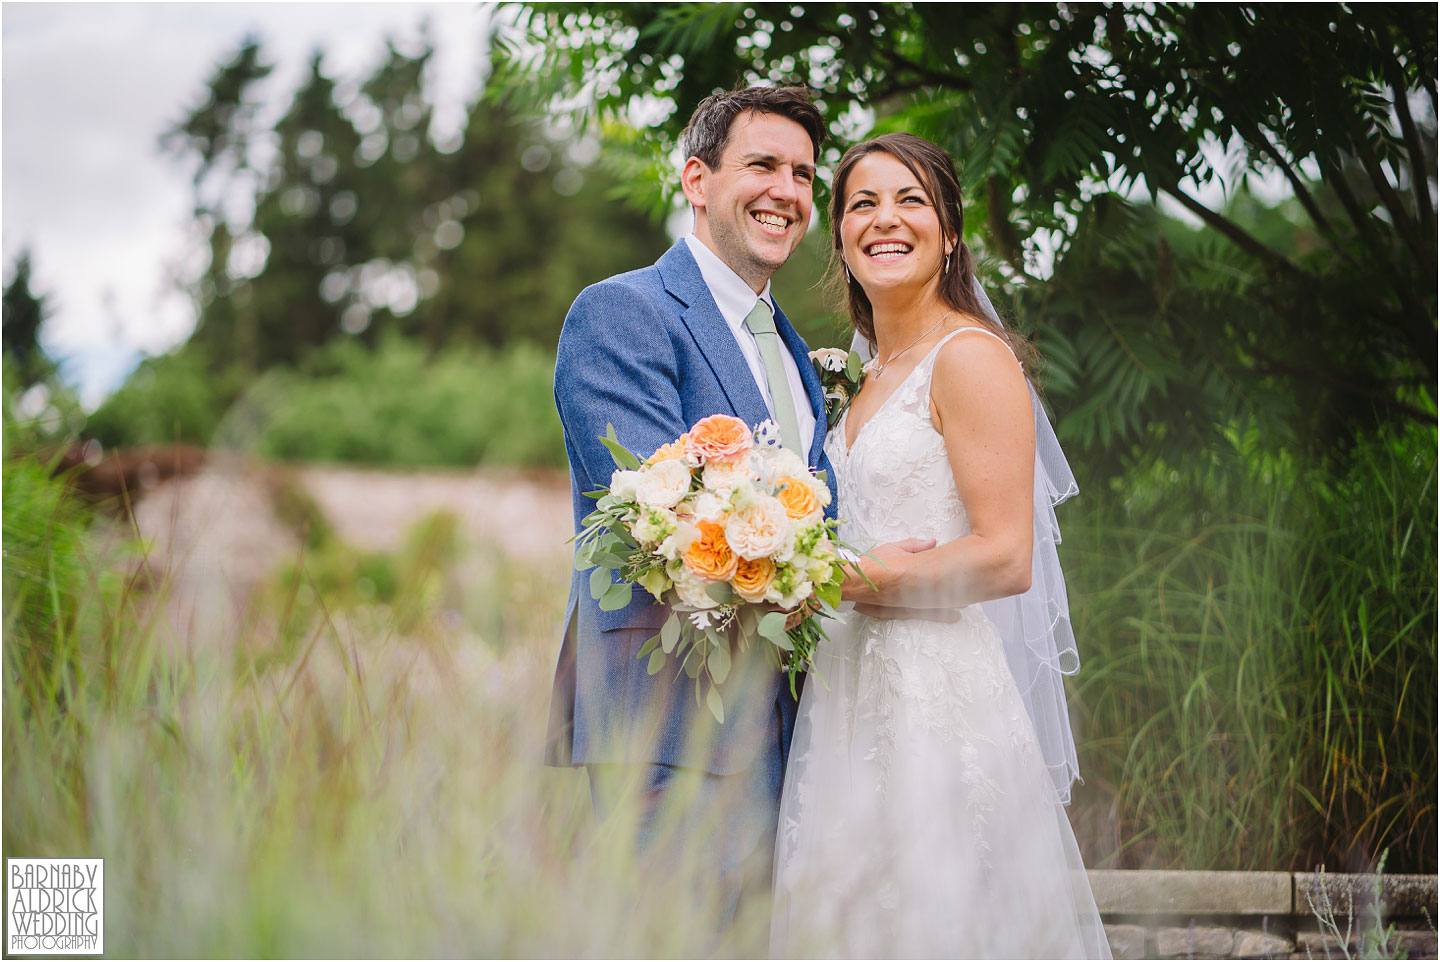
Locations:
{"points": [[799, 499], [719, 438], [709, 556], [673, 451], [752, 578]]}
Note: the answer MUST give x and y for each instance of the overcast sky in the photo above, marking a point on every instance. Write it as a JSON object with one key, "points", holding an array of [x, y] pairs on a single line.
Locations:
{"points": [[87, 89]]}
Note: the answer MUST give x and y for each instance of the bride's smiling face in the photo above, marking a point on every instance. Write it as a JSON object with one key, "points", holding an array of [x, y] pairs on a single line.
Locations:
{"points": [[890, 233]]}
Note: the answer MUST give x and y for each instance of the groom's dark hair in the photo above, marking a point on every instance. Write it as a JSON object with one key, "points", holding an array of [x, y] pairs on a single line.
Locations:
{"points": [[708, 132]]}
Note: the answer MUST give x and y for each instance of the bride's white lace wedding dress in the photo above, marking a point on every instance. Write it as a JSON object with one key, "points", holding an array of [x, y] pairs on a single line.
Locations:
{"points": [[918, 818]]}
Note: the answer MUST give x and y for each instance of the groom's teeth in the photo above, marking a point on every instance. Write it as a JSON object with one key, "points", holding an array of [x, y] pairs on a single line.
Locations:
{"points": [[771, 220]]}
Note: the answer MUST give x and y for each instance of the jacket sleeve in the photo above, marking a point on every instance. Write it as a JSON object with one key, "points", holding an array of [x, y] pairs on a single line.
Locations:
{"points": [[616, 364]]}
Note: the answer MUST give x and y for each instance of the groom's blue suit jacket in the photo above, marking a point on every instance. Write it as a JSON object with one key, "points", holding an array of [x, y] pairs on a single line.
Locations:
{"points": [[649, 352]]}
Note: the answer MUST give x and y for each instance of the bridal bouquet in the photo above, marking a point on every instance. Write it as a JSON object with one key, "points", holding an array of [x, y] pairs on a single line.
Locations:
{"points": [[728, 528]]}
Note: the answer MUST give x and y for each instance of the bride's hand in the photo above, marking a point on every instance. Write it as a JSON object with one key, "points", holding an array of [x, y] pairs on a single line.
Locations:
{"points": [[880, 565]]}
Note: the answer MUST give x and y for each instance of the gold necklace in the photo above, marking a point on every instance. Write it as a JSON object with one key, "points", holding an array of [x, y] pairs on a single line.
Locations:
{"points": [[877, 368]]}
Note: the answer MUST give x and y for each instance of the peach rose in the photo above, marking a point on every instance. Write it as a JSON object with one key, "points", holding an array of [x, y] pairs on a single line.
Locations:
{"points": [[799, 499], [752, 578], [758, 530], [718, 438], [709, 556], [674, 451]]}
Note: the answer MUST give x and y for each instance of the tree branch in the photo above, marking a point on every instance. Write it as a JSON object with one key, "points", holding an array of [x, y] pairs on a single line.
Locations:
{"points": [[1418, 168], [1302, 193], [1234, 232], [1403, 224], [1295, 371], [927, 76], [1335, 177]]}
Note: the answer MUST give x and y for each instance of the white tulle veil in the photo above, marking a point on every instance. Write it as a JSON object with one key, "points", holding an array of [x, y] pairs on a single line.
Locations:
{"points": [[1039, 642]]}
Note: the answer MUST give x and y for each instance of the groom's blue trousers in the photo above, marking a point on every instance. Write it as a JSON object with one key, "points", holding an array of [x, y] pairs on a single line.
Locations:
{"points": [[726, 819]]}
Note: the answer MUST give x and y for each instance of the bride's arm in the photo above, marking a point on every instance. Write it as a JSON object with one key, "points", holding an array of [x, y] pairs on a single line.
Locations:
{"points": [[980, 404]]}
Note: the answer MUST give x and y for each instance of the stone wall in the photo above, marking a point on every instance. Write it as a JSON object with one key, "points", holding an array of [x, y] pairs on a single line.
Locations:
{"points": [[1265, 915]]}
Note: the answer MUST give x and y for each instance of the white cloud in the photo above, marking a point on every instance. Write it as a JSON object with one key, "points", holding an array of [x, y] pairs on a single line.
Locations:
{"points": [[87, 90]]}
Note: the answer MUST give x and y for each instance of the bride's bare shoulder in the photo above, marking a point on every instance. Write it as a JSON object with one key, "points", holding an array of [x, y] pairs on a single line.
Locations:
{"points": [[977, 364]]}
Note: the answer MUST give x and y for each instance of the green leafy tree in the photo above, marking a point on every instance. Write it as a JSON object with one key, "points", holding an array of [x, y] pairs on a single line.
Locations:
{"points": [[364, 222], [1057, 114], [24, 313]]}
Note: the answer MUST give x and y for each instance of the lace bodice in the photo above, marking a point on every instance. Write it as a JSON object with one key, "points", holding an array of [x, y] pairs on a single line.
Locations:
{"points": [[895, 482]]}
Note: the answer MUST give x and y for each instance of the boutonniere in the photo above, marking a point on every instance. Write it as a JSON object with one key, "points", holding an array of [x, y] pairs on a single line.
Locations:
{"points": [[840, 378]]}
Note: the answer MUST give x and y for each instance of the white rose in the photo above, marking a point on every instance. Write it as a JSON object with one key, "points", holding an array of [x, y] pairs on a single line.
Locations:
{"points": [[623, 484], [679, 540], [831, 358], [759, 529], [691, 588], [723, 477], [662, 485], [709, 506], [783, 463], [821, 489]]}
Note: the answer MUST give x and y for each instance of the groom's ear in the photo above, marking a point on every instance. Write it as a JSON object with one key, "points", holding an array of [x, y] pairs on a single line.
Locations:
{"points": [[692, 181]]}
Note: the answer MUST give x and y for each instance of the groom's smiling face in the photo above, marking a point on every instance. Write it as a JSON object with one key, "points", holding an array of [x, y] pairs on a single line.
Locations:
{"points": [[752, 209]]}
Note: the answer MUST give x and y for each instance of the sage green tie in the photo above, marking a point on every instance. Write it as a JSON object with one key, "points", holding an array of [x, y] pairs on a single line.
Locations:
{"points": [[762, 325]]}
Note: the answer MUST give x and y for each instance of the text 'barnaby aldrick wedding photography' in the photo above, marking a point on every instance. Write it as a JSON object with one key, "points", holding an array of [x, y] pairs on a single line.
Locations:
{"points": [[55, 906]]}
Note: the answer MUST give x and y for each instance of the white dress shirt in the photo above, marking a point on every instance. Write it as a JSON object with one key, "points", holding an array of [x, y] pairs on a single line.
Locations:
{"points": [[735, 298]]}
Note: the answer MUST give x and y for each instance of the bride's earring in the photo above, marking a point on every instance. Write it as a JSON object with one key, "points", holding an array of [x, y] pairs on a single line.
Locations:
{"points": [[947, 263], [846, 268]]}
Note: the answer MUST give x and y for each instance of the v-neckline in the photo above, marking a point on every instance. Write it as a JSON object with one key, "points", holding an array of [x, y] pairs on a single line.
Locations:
{"points": [[849, 445]]}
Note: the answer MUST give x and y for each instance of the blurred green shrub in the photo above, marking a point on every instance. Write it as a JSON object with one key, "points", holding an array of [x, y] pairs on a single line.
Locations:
{"points": [[333, 577], [177, 397], [397, 406], [391, 405]]}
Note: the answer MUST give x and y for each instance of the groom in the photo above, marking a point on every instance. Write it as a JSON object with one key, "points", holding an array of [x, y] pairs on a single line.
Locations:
{"points": [[652, 352]]}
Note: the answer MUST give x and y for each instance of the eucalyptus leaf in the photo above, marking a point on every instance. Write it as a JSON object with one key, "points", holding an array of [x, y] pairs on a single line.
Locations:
{"points": [[622, 457], [599, 582], [657, 661], [717, 707], [852, 366], [650, 645], [670, 632], [694, 661], [721, 592], [772, 626], [617, 596], [720, 663]]}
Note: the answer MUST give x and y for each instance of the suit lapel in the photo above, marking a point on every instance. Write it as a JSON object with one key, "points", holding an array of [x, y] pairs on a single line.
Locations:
{"points": [[712, 335]]}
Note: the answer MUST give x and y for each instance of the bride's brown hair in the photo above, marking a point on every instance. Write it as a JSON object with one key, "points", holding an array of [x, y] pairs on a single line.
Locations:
{"points": [[936, 173]]}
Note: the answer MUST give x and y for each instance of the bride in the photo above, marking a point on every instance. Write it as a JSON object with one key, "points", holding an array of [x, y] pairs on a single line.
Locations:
{"points": [[923, 807]]}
